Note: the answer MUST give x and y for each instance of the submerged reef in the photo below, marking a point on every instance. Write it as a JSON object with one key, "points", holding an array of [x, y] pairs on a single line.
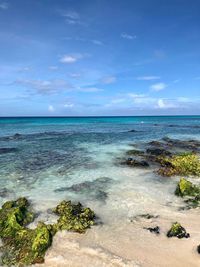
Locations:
{"points": [[95, 190], [177, 230], [23, 246], [171, 156]]}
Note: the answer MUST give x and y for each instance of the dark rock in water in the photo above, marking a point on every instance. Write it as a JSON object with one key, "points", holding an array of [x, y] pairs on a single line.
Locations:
{"points": [[155, 143], [4, 192], [133, 131], [184, 144], [198, 249], [16, 136], [155, 229], [4, 150], [178, 231], [148, 216], [158, 152], [137, 163], [94, 189], [135, 152]]}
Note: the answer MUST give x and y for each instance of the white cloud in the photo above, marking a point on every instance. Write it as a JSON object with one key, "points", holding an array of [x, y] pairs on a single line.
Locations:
{"points": [[70, 58], [128, 36], [108, 79], [118, 100], [68, 105], [75, 75], [176, 81], [183, 99], [45, 87], [132, 95], [97, 42], [166, 104], [89, 89], [4, 5], [53, 67], [148, 78], [158, 86], [51, 108], [71, 15]]}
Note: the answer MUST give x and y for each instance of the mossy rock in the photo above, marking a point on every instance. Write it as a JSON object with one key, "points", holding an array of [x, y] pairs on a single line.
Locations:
{"points": [[23, 246], [186, 188], [178, 231], [184, 164], [14, 215], [73, 217], [27, 246]]}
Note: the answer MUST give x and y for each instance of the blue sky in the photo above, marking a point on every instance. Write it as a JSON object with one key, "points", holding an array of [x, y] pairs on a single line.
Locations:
{"points": [[99, 57]]}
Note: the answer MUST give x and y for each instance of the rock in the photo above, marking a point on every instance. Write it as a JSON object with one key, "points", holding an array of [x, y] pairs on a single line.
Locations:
{"points": [[73, 217], [4, 192], [148, 216], [4, 150], [133, 131], [198, 249], [155, 229], [185, 144], [186, 188], [155, 143], [135, 152], [158, 152], [184, 164], [192, 202], [136, 163], [22, 246], [177, 230]]}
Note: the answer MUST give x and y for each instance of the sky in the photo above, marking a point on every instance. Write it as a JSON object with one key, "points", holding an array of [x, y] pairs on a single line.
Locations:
{"points": [[99, 57]]}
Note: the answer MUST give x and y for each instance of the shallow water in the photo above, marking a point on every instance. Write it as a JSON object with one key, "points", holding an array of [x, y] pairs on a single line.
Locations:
{"points": [[78, 159]]}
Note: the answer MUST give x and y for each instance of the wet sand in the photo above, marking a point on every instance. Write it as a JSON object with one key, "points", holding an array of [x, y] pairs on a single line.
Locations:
{"points": [[128, 244]]}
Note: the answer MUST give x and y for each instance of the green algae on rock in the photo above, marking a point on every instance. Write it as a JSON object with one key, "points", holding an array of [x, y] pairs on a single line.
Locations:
{"points": [[73, 217], [185, 164], [27, 246], [177, 230], [186, 188], [23, 246]]}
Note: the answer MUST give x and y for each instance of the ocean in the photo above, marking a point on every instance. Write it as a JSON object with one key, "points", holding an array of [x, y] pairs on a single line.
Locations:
{"points": [[78, 159]]}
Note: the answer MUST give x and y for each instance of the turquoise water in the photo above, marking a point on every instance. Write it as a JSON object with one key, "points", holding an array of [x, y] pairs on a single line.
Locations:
{"points": [[51, 153], [50, 146], [52, 159]]}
